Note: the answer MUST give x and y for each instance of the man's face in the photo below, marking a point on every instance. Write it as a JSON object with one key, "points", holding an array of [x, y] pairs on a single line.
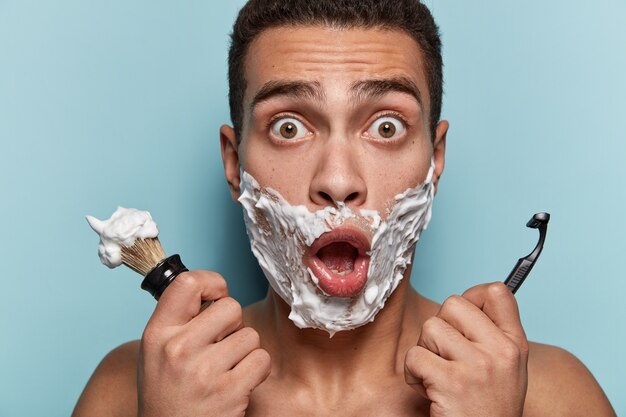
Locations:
{"points": [[343, 115], [334, 116]]}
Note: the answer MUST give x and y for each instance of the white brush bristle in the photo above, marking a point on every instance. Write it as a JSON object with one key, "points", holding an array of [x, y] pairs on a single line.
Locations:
{"points": [[144, 255]]}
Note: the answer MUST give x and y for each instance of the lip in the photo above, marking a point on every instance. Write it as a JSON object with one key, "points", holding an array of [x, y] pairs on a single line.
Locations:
{"points": [[348, 234], [335, 284]]}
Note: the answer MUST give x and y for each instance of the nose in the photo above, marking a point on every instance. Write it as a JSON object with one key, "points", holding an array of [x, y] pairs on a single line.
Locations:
{"points": [[338, 176]]}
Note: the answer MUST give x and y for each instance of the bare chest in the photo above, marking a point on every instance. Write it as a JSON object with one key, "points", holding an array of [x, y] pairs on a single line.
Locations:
{"points": [[390, 401]]}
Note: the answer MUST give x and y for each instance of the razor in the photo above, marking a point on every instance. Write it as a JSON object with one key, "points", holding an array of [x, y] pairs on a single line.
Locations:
{"points": [[524, 265]]}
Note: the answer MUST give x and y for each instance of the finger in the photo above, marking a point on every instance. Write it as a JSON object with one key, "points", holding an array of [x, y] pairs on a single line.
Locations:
{"points": [[214, 323], [422, 368], [251, 371], [500, 305], [234, 348], [468, 319], [182, 299], [441, 338]]}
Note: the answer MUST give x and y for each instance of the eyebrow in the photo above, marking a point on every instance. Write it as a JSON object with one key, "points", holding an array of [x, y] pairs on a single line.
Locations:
{"points": [[376, 88], [359, 90], [295, 89]]}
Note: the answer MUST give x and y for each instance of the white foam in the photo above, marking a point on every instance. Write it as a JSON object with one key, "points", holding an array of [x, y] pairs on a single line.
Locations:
{"points": [[124, 227], [280, 233], [371, 293]]}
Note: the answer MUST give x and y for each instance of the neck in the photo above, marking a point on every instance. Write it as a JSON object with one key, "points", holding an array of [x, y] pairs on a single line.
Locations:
{"points": [[373, 351]]}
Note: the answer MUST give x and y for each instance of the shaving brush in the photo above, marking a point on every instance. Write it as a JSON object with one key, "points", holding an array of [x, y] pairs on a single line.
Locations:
{"points": [[129, 237], [143, 255], [147, 257]]}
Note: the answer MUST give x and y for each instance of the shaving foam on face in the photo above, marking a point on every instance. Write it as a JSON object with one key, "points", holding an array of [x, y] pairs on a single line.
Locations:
{"points": [[124, 227], [280, 234]]}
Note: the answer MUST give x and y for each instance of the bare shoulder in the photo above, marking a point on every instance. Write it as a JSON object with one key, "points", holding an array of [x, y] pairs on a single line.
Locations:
{"points": [[112, 389], [560, 385]]}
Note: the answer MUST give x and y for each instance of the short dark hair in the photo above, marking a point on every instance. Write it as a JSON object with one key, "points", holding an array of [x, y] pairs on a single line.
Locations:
{"points": [[410, 16]]}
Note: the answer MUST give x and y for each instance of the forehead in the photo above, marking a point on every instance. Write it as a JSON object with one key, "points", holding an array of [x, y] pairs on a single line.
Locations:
{"points": [[333, 57]]}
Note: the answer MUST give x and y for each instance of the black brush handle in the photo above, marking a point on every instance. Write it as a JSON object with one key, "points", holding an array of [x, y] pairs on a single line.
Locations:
{"points": [[157, 280]]}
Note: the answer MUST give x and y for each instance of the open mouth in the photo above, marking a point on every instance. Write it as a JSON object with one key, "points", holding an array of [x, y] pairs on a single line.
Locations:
{"points": [[340, 262]]}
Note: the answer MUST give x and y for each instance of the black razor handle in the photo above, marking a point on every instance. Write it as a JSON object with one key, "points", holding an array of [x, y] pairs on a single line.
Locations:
{"points": [[524, 265], [518, 274]]}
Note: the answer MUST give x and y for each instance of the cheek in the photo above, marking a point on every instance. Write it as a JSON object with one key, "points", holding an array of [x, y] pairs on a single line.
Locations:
{"points": [[284, 171], [392, 174]]}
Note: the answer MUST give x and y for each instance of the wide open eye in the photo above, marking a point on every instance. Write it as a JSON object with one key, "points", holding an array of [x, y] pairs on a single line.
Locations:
{"points": [[386, 128], [288, 128]]}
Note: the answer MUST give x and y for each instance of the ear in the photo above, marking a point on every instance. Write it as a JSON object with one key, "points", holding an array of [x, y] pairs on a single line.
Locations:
{"points": [[230, 158], [439, 150]]}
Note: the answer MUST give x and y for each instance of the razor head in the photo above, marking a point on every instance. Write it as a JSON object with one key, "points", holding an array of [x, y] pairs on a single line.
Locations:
{"points": [[539, 219]]}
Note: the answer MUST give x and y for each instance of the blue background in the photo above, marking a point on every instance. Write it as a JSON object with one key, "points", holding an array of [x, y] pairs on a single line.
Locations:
{"points": [[118, 102]]}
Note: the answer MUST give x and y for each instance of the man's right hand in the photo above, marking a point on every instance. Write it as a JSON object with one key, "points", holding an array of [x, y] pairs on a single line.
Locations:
{"points": [[196, 361]]}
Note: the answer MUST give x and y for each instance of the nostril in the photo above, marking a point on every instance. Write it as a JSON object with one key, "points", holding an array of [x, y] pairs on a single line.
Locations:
{"points": [[353, 196], [326, 197], [329, 190]]}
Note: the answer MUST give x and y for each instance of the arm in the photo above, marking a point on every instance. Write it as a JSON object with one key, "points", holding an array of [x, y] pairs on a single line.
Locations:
{"points": [[560, 385], [190, 361], [112, 389], [472, 358]]}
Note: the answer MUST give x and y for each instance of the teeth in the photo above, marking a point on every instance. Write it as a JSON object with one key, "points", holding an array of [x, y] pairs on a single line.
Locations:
{"points": [[342, 273]]}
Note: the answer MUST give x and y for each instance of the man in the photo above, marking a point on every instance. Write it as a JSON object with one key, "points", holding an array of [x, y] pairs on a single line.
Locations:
{"points": [[335, 107]]}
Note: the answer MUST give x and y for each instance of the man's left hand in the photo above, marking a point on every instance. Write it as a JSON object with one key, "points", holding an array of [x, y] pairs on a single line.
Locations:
{"points": [[471, 357]]}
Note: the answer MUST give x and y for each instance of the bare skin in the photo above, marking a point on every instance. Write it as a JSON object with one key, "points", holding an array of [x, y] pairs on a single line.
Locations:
{"points": [[559, 384], [468, 356]]}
